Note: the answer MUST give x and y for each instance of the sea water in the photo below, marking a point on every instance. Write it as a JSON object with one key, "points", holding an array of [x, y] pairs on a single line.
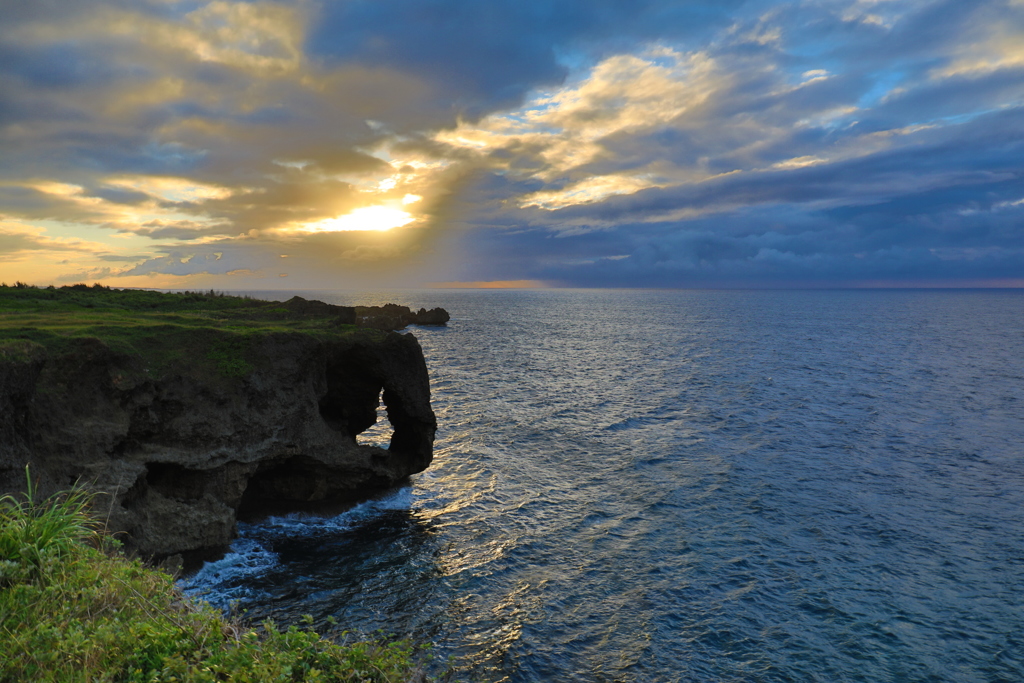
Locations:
{"points": [[687, 486]]}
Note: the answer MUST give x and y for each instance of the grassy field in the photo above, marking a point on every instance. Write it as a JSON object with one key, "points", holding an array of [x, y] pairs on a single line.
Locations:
{"points": [[168, 331], [72, 609]]}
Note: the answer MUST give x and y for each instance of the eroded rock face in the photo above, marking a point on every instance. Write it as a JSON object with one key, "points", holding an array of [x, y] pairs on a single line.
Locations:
{"points": [[178, 456]]}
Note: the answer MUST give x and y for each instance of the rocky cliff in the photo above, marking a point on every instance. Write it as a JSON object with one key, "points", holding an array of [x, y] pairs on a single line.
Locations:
{"points": [[386, 317], [179, 451]]}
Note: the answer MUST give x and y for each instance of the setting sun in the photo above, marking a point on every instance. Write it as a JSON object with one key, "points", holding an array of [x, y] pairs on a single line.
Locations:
{"points": [[379, 218]]}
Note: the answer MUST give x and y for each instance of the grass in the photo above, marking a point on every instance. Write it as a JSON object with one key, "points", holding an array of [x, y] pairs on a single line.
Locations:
{"points": [[188, 331], [73, 609]]}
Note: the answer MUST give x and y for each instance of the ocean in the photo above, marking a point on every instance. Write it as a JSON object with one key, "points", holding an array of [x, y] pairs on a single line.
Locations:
{"points": [[686, 486]]}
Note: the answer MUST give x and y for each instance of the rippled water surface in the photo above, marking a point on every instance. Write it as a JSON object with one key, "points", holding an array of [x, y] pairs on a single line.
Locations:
{"points": [[689, 486]]}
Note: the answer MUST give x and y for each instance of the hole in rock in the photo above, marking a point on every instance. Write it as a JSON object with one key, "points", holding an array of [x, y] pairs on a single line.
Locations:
{"points": [[379, 434], [352, 404]]}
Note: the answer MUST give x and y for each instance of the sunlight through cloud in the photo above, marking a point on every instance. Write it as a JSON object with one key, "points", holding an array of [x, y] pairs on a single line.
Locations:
{"points": [[378, 218]]}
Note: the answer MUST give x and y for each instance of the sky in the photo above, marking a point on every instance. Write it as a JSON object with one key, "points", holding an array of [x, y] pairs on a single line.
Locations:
{"points": [[339, 144]]}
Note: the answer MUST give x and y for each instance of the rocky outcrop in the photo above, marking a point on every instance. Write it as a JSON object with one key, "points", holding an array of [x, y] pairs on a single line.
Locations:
{"points": [[386, 317], [297, 306], [395, 317], [179, 454]]}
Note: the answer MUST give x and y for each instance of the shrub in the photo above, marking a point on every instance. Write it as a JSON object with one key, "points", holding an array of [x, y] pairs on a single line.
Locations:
{"points": [[72, 612], [34, 536]]}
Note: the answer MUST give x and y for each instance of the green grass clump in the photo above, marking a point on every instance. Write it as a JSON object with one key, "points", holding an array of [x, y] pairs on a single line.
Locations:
{"points": [[72, 609], [35, 537]]}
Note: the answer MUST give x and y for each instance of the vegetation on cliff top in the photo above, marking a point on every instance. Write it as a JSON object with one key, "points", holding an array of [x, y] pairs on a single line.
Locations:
{"points": [[73, 609], [166, 330]]}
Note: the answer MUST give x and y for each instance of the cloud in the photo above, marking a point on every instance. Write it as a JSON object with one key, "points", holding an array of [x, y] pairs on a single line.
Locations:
{"points": [[209, 97], [560, 134], [599, 142], [25, 248], [481, 57], [775, 163], [192, 122], [16, 240]]}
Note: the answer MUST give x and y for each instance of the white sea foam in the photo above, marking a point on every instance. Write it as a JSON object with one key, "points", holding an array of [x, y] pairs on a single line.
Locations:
{"points": [[224, 581]]}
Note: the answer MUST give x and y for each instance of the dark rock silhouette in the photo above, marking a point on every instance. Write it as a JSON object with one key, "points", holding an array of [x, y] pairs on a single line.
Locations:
{"points": [[435, 316], [180, 454], [297, 306], [386, 317], [395, 317]]}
